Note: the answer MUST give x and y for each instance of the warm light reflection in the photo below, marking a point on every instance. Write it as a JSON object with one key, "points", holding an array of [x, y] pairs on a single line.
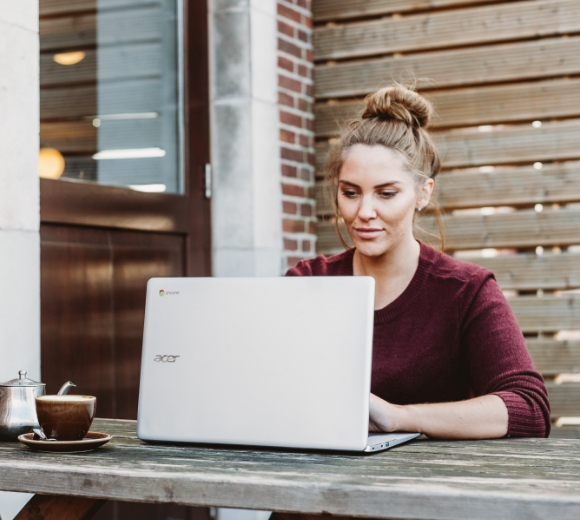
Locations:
{"points": [[50, 163], [69, 58]]}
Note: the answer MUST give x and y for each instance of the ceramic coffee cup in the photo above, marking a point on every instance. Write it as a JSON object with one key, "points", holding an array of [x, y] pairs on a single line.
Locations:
{"points": [[66, 417]]}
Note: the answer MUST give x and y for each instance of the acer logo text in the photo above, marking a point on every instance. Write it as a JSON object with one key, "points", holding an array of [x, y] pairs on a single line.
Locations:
{"points": [[165, 359]]}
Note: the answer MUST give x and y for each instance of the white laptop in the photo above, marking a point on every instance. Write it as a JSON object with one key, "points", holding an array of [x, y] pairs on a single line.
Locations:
{"points": [[274, 362]]}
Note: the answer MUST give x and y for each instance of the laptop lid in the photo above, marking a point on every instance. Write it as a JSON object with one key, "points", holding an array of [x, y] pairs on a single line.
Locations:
{"points": [[258, 361]]}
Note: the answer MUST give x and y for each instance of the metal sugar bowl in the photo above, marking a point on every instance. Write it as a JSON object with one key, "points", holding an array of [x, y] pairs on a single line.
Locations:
{"points": [[18, 406]]}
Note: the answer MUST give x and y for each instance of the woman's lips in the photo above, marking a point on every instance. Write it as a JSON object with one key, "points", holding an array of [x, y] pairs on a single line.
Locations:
{"points": [[368, 233]]}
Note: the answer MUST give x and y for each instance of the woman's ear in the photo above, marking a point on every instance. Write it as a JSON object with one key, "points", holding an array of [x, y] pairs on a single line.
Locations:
{"points": [[425, 192]]}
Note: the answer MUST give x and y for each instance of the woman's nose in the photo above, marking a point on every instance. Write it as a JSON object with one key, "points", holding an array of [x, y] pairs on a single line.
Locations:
{"points": [[366, 210]]}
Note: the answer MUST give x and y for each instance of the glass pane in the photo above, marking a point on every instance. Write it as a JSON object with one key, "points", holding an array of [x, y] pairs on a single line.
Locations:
{"points": [[110, 97]]}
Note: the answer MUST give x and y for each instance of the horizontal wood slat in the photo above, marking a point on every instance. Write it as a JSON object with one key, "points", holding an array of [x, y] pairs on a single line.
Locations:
{"points": [[527, 271], [565, 432], [553, 357], [564, 399], [473, 106], [521, 186], [324, 10], [510, 144], [452, 68], [509, 21], [115, 27], [519, 229], [547, 313], [501, 145], [62, 103], [510, 186]]}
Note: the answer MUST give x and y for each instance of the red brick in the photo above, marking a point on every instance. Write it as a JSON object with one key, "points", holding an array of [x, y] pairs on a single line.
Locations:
{"points": [[285, 63], [285, 99], [306, 246], [291, 155], [302, 3], [286, 29], [307, 21], [303, 36], [287, 136], [309, 91], [288, 12], [306, 210], [292, 226], [309, 124], [303, 71], [290, 48], [293, 190], [290, 84], [289, 171], [304, 140], [290, 208], [290, 119], [305, 174], [290, 245], [312, 228], [304, 105], [308, 55]]}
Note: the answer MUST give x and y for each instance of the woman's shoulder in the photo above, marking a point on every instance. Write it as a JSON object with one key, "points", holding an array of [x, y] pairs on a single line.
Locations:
{"points": [[335, 265], [449, 268]]}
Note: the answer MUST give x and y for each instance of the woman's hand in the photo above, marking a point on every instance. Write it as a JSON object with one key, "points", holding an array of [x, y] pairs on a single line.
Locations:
{"points": [[384, 416], [484, 417]]}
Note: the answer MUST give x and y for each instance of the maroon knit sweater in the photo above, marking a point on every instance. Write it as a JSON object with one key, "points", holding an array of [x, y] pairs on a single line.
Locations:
{"points": [[450, 335]]}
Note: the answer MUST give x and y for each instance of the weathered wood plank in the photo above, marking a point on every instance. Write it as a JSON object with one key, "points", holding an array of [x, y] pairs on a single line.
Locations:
{"points": [[473, 106], [453, 68], [115, 27], [327, 10], [565, 432], [501, 145], [564, 399], [553, 357], [519, 229], [547, 313], [51, 507], [480, 480], [523, 186], [134, 61], [510, 21], [119, 97], [528, 271]]}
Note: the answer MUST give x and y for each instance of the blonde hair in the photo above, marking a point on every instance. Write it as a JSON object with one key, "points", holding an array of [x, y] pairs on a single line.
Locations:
{"points": [[394, 117]]}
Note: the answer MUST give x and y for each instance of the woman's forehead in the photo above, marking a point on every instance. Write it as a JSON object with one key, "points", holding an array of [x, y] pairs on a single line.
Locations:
{"points": [[374, 165]]}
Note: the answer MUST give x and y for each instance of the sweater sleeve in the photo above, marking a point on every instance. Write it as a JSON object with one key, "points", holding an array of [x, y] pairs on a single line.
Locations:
{"points": [[499, 362], [302, 268]]}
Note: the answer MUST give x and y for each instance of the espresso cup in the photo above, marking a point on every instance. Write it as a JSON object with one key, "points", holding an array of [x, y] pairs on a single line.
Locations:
{"points": [[66, 417]]}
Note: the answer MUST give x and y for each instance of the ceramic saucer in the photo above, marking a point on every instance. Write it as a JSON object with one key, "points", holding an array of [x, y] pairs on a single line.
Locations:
{"points": [[91, 442]]}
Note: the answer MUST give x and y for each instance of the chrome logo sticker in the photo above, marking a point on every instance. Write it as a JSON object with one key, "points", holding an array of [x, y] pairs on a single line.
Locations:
{"points": [[161, 292]]}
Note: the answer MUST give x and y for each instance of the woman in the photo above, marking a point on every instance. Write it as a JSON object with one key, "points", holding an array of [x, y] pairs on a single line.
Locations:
{"points": [[449, 359]]}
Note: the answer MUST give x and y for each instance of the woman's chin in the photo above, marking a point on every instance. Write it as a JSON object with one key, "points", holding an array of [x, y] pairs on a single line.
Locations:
{"points": [[370, 248]]}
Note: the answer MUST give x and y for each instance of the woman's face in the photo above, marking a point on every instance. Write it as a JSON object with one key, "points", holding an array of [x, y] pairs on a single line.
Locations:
{"points": [[377, 197]]}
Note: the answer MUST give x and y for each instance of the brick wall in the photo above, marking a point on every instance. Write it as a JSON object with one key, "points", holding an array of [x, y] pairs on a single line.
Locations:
{"points": [[295, 99]]}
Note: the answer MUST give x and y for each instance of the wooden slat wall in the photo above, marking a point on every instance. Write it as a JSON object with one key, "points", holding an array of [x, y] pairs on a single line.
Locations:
{"points": [[509, 190]]}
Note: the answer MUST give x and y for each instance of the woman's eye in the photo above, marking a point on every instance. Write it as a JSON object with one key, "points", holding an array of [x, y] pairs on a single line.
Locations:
{"points": [[349, 193], [388, 194]]}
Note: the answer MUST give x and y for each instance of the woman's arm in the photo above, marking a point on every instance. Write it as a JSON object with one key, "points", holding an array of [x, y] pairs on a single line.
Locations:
{"points": [[484, 417]]}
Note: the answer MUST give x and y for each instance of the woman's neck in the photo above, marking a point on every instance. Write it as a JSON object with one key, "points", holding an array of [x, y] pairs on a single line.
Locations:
{"points": [[392, 271]]}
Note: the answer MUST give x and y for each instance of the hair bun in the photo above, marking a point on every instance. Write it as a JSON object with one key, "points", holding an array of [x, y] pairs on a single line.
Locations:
{"points": [[400, 103]]}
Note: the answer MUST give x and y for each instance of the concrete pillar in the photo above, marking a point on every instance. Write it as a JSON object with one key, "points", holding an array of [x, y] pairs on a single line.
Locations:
{"points": [[246, 219], [19, 202]]}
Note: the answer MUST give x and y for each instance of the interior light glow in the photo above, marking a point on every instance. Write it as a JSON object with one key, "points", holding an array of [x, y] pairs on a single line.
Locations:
{"points": [[69, 58], [149, 188], [567, 421], [96, 122], [129, 153], [539, 208], [488, 252], [485, 128], [539, 250], [537, 124], [538, 165], [50, 163], [486, 169]]}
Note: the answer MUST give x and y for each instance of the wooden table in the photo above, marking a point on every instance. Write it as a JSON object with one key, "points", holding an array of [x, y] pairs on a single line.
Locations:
{"points": [[508, 479]]}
